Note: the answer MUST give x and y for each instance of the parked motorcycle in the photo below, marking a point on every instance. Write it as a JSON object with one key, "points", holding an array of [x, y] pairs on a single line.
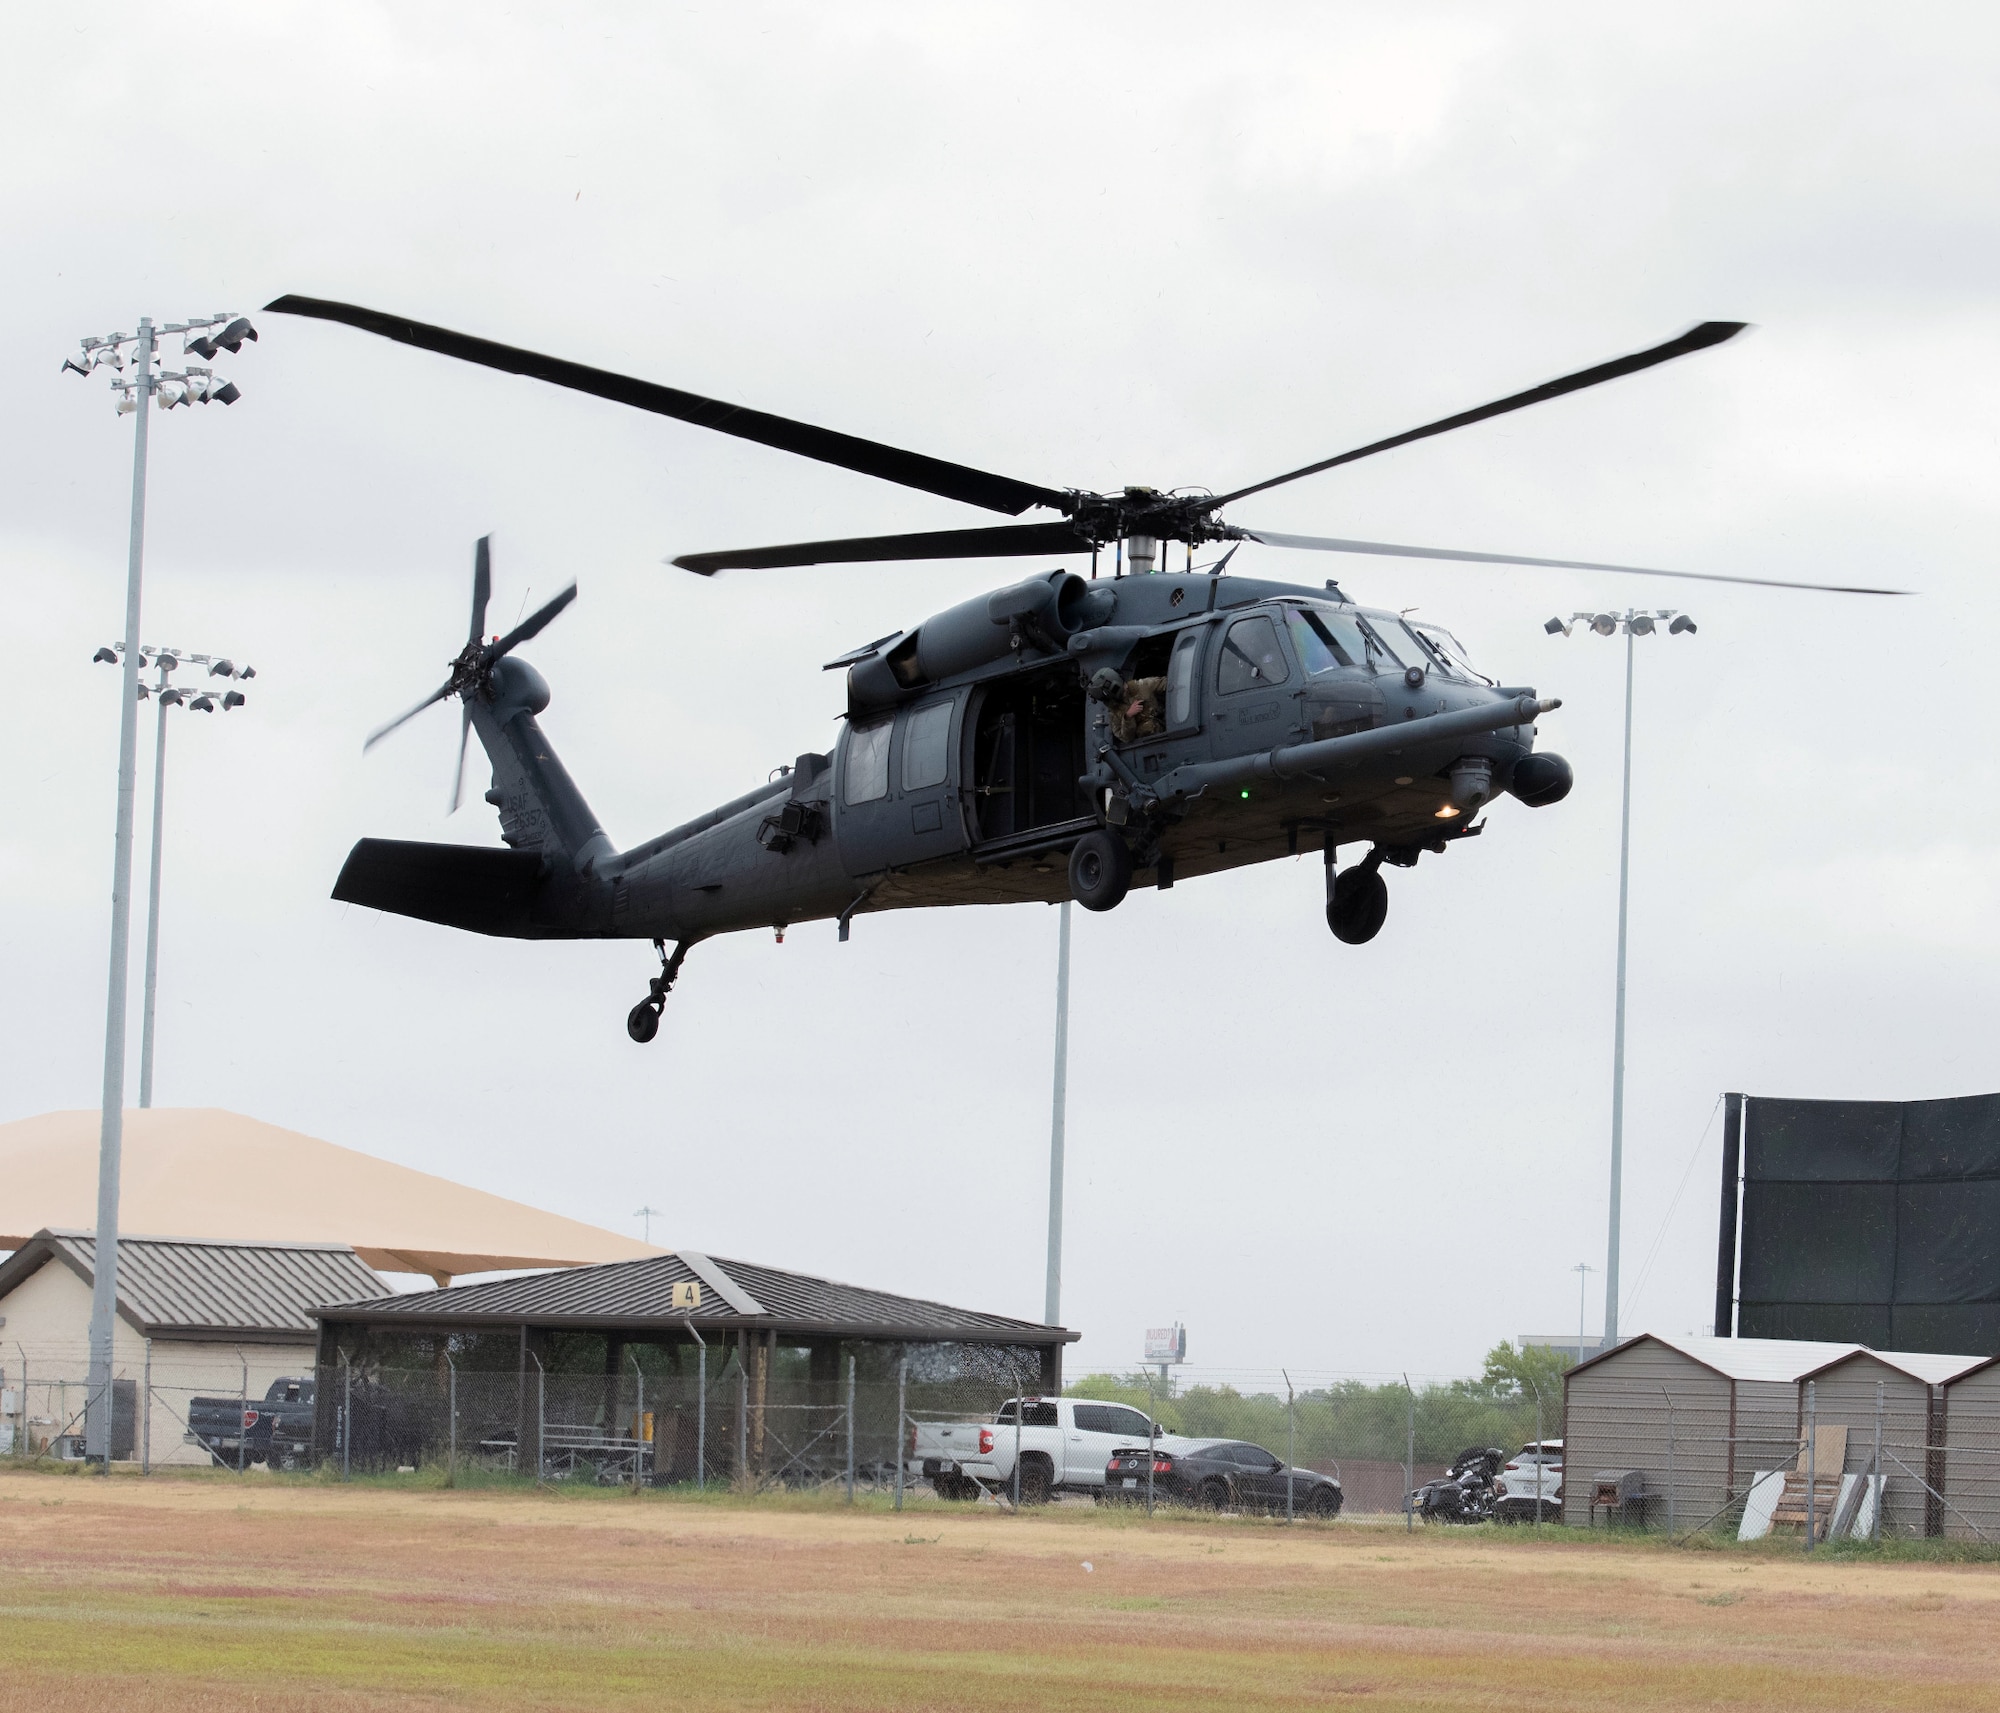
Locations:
{"points": [[1466, 1494]]}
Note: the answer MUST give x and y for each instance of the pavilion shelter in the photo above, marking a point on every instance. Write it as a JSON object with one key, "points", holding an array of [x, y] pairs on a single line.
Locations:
{"points": [[1695, 1418], [685, 1365]]}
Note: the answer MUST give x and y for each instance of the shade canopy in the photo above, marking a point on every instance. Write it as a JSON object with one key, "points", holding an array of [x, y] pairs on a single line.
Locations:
{"points": [[198, 1172]]}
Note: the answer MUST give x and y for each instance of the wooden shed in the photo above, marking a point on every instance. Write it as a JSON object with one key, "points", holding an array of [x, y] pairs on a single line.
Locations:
{"points": [[1909, 1386], [1971, 1438], [1696, 1417]]}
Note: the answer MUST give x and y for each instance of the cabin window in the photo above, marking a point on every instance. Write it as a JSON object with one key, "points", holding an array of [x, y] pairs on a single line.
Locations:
{"points": [[927, 747], [1180, 679], [1252, 657], [867, 763]]}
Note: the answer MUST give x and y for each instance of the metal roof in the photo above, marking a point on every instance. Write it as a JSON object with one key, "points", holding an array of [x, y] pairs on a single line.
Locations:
{"points": [[638, 1295], [1780, 1359], [177, 1288], [1931, 1369]]}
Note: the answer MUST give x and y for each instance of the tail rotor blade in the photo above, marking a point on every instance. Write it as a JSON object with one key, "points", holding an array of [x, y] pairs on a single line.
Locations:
{"points": [[532, 625], [458, 772], [381, 732], [482, 587]]}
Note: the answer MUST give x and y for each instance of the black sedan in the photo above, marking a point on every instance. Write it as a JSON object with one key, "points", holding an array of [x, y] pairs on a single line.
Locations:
{"points": [[1221, 1474]]}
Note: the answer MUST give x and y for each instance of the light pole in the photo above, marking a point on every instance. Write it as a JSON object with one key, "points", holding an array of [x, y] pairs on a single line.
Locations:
{"points": [[168, 695], [648, 1214], [1582, 1270], [1052, 1296], [1633, 623], [135, 379]]}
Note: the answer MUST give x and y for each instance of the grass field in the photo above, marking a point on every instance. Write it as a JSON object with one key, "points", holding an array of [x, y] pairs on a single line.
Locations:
{"points": [[218, 1593]]}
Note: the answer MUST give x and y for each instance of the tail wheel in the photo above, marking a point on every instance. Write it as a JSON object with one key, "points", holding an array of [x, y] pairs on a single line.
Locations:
{"points": [[642, 1022], [1359, 905], [1100, 870]]}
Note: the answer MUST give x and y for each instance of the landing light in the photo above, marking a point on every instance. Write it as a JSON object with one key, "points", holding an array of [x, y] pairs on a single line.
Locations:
{"points": [[1444, 814]]}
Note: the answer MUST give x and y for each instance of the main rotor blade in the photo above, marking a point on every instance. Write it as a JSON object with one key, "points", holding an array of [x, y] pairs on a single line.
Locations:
{"points": [[1331, 544], [482, 586], [532, 625], [869, 457], [1694, 339], [381, 732], [458, 772], [1002, 541]]}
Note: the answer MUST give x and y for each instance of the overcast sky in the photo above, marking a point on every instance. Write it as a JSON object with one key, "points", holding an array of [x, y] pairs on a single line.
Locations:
{"points": [[1084, 246]]}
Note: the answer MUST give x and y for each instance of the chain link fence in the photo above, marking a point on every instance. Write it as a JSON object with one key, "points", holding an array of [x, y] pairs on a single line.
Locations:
{"points": [[938, 1425]]}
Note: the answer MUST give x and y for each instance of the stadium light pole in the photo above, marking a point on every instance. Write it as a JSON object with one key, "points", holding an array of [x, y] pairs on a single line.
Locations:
{"points": [[1582, 1270], [136, 382], [1633, 623], [1052, 1295], [168, 695]]}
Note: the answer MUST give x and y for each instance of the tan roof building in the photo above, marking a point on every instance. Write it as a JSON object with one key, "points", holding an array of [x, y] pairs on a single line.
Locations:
{"points": [[202, 1173]]}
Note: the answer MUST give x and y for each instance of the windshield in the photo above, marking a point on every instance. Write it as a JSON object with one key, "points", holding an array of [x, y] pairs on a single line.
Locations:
{"points": [[1328, 639], [1452, 649]]}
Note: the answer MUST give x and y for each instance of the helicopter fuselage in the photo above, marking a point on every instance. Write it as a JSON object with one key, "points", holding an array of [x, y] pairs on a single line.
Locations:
{"points": [[1204, 722]]}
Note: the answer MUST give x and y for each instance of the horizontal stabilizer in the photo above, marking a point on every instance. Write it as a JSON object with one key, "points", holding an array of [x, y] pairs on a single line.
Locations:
{"points": [[461, 886]]}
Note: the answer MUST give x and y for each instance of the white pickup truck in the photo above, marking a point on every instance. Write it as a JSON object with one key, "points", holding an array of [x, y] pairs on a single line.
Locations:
{"points": [[1064, 1445]]}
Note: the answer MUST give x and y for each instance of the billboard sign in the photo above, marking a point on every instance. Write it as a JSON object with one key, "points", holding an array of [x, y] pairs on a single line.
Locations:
{"points": [[1166, 1344]]}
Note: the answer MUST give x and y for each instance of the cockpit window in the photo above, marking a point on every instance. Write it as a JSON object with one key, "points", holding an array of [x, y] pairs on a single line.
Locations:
{"points": [[1453, 651], [1252, 657], [1326, 640]]}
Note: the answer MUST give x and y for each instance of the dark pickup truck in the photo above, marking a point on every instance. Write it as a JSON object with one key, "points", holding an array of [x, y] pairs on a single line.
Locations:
{"points": [[276, 1429]]}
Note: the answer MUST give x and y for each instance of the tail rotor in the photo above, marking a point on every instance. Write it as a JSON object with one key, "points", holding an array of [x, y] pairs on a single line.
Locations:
{"points": [[472, 669]]}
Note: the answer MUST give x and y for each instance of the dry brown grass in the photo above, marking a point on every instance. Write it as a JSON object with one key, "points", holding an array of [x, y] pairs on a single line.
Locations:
{"points": [[217, 1594]]}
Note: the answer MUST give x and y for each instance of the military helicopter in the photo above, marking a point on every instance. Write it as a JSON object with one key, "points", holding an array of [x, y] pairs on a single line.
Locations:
{"points": [[1065, 737]]}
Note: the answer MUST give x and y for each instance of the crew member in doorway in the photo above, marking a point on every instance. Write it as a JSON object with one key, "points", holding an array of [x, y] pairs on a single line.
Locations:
{"points": [[1138, 705]]}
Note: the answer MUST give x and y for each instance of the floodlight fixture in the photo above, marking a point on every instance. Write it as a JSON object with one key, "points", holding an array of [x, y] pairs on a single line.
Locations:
{"points": [[233, 699], [221, 667], [231, 338], [1682, 626], [171, 696], [203, 704], [1604, 624], [108, 655], [1556, 625]]}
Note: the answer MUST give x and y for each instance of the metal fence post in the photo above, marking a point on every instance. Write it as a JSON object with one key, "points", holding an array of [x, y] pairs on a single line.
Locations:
{"points": [[242, 1418], [541, 1419], [902, 1383], [1291, 1442], [146, 1422], [700, 1411], [742, 1423], [1152, 1439], [1812, 1465], [850, 1430], [639, 1426], [1410, 1463], [1664, 1393], [1020, 1409], [1875, 1517], [1541, 1466], [346, 1418], [451, 1421]]}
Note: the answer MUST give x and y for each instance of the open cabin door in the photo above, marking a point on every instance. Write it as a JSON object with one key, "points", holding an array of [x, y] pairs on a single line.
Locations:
{"points": [[1027, 752]]}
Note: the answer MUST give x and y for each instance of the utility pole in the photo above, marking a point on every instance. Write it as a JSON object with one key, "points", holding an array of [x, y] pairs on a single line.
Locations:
{"points": [[143, 387], [1052, 1295]]}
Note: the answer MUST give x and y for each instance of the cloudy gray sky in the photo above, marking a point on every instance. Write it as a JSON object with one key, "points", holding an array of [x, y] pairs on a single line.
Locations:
{"points": [[1082, 245]]}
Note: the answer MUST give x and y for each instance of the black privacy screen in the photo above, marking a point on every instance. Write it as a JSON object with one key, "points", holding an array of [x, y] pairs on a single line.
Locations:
{"points": [[1874, 1221]]}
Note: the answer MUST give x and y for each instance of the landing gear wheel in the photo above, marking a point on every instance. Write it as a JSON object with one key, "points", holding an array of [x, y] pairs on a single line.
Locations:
{"points": [[642, 1022], [1100, 870], [1359, 905]]}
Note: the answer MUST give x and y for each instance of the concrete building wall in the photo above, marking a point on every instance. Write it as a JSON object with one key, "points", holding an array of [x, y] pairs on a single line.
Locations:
{"points": [[1972, 1455], [45, 1368], [1649, 1408]]}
